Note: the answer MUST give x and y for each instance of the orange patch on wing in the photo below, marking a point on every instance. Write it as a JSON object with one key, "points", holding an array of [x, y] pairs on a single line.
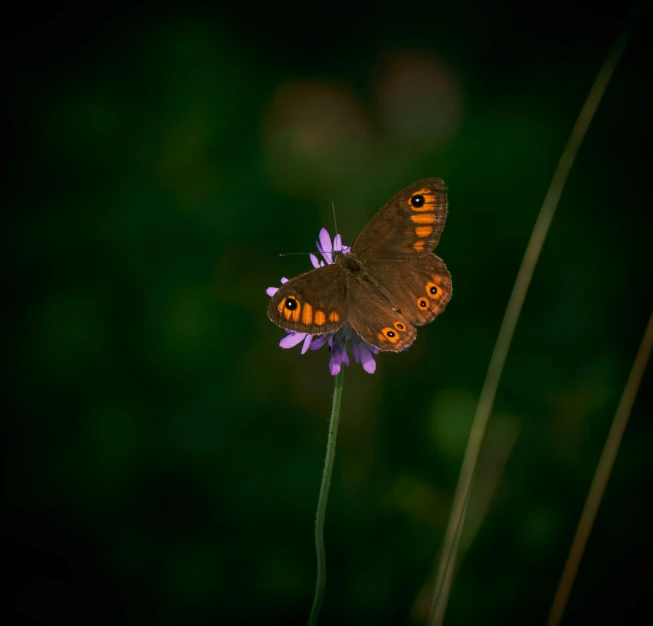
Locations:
{"points": [[296, 313], [426, 218], [320, 318], [418, 246], [400, 326], [422, 304], [334, 317], [423, 231], [307, 315]]}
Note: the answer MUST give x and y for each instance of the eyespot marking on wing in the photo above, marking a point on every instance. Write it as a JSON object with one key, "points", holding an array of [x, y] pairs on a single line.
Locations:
{"points": [[291, 308], [390, 334], [432, 290], [422, 200]]}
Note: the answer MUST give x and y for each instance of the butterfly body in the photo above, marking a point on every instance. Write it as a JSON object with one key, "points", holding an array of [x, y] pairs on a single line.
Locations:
{"points": [[388, 284]]}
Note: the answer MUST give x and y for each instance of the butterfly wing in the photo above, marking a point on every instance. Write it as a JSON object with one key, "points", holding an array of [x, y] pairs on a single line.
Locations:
{"points": [[409, 224], [403, 284], [315, 302], [419, 288], [376, 318], [396, 284]]}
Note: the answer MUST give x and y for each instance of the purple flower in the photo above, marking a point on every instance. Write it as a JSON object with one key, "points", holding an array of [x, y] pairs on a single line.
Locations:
{"points": [[339, 340]]}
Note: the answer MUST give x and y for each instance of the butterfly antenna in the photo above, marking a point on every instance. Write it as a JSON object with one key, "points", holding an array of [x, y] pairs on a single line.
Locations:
{"points": [[335, 224], [291, 253]]}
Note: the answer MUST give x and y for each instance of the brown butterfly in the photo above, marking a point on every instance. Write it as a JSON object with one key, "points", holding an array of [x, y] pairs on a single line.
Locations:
{"points": [[387, 285]]}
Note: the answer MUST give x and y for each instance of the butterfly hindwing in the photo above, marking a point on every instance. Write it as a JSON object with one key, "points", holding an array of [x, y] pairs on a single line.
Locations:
{"points": [[409, 224], [315, 302], [376, 319], [420, 288]]}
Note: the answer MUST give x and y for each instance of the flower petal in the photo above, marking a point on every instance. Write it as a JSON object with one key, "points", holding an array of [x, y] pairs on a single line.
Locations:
{"points": [[337, 243], [344, 357], [325, 240], [318, 342], [324, 246], [307, 343], [339, 352], [314, 260], [284, 280], [334, 367], [367, 360], [271, 291], [291, 340]]}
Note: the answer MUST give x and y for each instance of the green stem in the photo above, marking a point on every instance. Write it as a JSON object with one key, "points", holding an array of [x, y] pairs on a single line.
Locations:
{"points": [[322, 500]]}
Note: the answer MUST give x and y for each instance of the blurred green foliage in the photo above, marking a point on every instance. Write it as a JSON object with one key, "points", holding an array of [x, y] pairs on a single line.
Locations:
{"points": [[165, 454]]}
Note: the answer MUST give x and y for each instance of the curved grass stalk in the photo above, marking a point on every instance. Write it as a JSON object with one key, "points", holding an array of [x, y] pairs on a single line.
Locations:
{"points": [[601, 476], [511, 317]]}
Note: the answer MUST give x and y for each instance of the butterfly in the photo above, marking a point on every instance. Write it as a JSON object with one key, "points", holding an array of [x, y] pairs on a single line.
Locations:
{"points": [[390, 282]]}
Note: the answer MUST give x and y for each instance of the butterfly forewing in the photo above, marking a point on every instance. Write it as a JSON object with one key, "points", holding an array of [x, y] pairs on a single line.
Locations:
{"points": [[315, 302], [409, 224]]}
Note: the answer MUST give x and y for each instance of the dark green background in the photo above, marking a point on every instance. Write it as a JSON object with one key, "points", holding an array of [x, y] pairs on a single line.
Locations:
{"points": [[165, 454]]}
